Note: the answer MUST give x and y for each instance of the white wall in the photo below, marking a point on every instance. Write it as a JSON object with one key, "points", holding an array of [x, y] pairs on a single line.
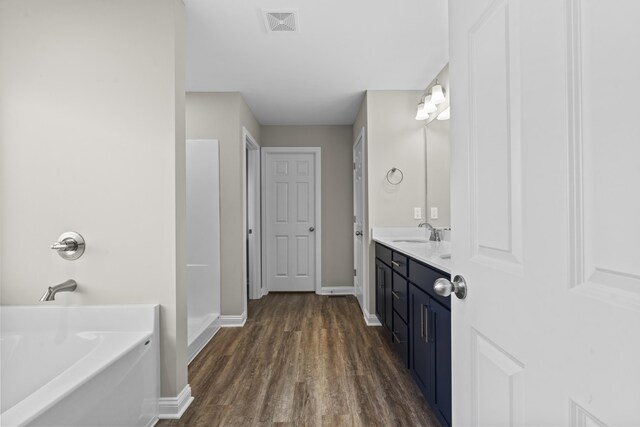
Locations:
{"points": [[92, 140], [337, 192], [221, 116]]}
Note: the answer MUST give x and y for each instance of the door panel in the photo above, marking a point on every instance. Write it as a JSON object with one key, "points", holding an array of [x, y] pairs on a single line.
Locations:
{"points": [[441, 319], [358, 222], [421, 349], [290, 219], [544, 208]]}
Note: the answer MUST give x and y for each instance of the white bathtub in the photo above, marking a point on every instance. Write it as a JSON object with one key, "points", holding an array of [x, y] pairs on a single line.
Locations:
{"points": [[79, 366]]}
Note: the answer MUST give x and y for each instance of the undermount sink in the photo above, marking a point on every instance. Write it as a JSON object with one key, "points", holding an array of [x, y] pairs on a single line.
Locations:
{"points": [[411, 241]]}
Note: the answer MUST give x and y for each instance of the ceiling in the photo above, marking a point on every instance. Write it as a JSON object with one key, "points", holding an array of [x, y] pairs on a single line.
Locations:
{"points": [[318, 75]]}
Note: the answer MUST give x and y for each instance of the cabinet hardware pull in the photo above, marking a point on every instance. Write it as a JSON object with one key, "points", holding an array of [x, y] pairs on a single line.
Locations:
{"points": [[395, 264], [426, 324], [421, 321], [395, 294], [396, 337]]}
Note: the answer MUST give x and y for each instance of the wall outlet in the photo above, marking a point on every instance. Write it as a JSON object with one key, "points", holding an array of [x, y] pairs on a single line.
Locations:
{"points": [[417, 213], [434, 213]]}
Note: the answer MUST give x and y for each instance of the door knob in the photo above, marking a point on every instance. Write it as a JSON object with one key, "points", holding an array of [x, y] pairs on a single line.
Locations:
{"points": [[312, 229], [444, 287], [358, 233]]}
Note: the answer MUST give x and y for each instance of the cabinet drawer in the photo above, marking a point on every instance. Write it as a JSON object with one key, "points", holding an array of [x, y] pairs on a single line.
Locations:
{"points": [[399, 294], [401, 338], [424, 277], [399, 263], [383, 253]]}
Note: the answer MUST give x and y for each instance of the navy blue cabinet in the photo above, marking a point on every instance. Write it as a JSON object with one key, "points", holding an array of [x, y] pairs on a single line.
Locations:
{"points": [[383, 294], [420, 322], [441, 339], [421, 360]]}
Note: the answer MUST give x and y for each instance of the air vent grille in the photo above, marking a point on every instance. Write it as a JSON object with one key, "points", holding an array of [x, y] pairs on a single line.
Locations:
{"points": [[281, 21]]}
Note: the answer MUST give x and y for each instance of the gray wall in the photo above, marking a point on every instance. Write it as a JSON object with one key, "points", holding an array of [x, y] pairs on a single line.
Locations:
{"points": [[92, 140], [221, 116], [336, 143], [394, 138]]}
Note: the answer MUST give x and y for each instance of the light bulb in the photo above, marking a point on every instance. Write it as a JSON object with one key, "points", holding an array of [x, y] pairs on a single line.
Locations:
{"points": [[437, 94], [429, 106], [422, 114]]}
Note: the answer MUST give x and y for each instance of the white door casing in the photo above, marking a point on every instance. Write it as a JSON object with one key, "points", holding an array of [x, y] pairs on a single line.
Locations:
{"points": [[252, 226], [545, 208], [291, 218], [359, 229]]}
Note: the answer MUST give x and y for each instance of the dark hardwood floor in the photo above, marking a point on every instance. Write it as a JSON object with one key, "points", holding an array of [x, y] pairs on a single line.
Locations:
{"points": [[302, 359]]}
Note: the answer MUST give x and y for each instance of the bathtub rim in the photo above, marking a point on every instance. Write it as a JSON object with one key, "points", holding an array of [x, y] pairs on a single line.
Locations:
{"points": [[40, 401]]}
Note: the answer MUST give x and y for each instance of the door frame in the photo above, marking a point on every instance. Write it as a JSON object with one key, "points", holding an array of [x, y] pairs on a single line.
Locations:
{"points": [[364, 275], [317, 152], [251, 196]]}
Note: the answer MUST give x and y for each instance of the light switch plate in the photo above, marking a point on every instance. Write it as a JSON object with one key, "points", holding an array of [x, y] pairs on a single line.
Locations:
{"points": [[417, 213], [434, 213]]}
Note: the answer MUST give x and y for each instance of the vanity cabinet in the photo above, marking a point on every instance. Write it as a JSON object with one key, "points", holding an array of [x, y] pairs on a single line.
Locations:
{"points": [[420, 324], [383, 294]]}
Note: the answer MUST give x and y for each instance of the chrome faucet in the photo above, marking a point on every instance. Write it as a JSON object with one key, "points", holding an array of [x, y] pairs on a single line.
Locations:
{"points": [[435, 234], [68, 286]]}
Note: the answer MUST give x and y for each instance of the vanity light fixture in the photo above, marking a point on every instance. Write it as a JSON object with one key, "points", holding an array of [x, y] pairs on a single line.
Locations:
{"points": [[429, 106], [422, 113], [445, 114], [437, 94], [425, 107]]}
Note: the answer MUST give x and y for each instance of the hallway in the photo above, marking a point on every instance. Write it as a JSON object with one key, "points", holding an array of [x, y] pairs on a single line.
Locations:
{"points": [[302, 359]]}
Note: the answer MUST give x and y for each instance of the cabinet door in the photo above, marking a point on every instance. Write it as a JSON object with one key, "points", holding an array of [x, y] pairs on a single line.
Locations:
{"points": [[441, 336], [380, 291], [421, 360], [388, 298]]}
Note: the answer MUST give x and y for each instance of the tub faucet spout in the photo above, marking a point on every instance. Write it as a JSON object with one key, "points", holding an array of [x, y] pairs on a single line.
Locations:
{"points": [[50, 294]]}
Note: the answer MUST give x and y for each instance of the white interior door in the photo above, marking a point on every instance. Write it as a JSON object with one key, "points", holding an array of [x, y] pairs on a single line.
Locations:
{"points": [[291, 213], [358, 220], [545, 205]]}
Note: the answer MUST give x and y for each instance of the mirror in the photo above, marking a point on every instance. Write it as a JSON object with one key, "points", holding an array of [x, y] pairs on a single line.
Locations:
{"points": [[437, 152]]}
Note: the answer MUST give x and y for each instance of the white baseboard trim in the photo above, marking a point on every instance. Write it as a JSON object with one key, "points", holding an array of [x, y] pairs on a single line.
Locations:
{"points": [[370, 319], [172, 408], [337, 290], [233, 321], [153, 422], [203, 339]]}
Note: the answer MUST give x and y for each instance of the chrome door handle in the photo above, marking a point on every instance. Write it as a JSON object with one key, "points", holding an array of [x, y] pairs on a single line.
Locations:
{"points": [[444, 287], [358, 233], [395, 294], [395, 264], [312, 229]]}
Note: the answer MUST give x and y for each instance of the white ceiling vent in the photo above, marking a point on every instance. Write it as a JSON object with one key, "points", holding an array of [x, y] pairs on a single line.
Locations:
{"points": [[281, 20]]}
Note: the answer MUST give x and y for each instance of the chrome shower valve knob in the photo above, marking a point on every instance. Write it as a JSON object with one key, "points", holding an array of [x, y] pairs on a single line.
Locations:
{"points": [[70, 245]]}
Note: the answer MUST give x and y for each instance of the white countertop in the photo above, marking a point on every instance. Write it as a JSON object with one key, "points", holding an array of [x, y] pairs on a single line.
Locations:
{"points": [[428, 252]]}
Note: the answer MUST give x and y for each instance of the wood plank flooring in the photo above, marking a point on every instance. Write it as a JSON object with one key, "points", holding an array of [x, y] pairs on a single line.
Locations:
{"points": [[302, 359]]}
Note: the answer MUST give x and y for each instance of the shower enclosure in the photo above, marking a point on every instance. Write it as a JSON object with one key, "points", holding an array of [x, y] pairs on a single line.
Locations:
{"points": [[203, 243]]}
